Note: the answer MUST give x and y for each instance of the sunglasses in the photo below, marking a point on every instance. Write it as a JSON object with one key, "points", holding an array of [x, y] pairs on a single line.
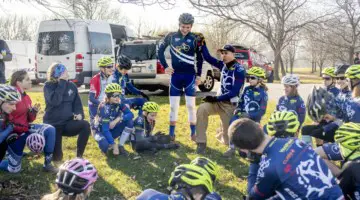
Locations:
{"points": [[115, 96], [224, 52], [253, 77], [108, 67], [327, 78], [341, 78]]}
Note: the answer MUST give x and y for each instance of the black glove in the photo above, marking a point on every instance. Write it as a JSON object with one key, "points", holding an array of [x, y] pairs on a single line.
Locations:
{"points": [[210, 99], [145, 96], [12, 138]]}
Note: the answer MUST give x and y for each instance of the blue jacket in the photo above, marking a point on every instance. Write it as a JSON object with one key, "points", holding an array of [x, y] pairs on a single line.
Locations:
{"points": [[292, 170], [343, 96], [143, 129], [125, 83], [232, 77], [5, 128], [150, 194], [62, 102], [294, 104], [351, 108], [333, 90], [183, 51], [253, 102], [109, 112]]}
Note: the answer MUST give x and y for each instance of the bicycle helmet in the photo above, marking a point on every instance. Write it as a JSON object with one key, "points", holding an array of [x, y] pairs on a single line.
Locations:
{"points": [[113, 88], [105, 61], [290, 79], [341, 69], [124, 62], [75, 176], [256, 71], [9, 94], [329, 71], [151, 106], [319, 103], [58, 71], [188, 176], [353, 72], [207, 164], [186, 18], [283, 124], [35, 142], [348, 138]]}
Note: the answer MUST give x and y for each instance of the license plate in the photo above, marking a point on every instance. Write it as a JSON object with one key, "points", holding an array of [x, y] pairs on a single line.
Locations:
{"points": [[136, 69]]}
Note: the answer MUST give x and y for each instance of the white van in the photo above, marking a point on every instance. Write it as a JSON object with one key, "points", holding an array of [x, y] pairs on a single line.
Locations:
{"points": [[23, 55], [78, 44]]}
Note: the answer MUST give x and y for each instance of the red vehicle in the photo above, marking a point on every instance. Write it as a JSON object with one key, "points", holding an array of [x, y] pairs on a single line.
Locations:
{"points": [[249, 57]]}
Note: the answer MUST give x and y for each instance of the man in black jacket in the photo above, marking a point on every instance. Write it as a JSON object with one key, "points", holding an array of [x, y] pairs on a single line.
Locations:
{"points": [[5, 55]]}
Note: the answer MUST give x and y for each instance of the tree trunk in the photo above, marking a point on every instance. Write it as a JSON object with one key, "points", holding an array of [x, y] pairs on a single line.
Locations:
{"points": [[282, 67], [351, 55], [276, 65]]}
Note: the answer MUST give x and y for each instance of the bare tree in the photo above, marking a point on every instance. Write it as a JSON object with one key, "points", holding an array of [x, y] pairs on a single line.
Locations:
{"points": [[165, 4], [289, 55], [277, 21], [18, 28]]}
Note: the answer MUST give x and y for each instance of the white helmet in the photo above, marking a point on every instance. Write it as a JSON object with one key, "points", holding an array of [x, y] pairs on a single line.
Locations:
{"points": [[290, 79]]}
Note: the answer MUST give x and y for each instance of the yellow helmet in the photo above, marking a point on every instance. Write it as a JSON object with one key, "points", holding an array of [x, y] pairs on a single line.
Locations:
{"points": [[207, 164], [329, 71], [151, 106], [283, 124], [191, 175], [353, 72], [112, 88], [105, 61], [257, 71]]}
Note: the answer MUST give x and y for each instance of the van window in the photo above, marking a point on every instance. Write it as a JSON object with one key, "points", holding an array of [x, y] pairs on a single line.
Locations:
{"points": [[242, 55], [101, 43], [56, 43], [139, 52]]}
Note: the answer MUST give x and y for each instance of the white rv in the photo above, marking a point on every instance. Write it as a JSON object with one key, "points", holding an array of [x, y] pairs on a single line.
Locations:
{"points": [[78, 44]]}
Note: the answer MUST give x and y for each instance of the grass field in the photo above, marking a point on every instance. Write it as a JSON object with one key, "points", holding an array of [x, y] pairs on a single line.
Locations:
{"points": [[125, 178], [306, 76]]}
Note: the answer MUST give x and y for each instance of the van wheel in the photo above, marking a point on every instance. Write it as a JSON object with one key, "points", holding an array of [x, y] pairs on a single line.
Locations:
{"points": [[208, 84]]}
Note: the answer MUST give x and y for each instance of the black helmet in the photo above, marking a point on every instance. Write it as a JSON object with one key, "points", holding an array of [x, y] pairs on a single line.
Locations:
{"points": [[186, 18], [124, 62], [319, 103], [341, 69]]}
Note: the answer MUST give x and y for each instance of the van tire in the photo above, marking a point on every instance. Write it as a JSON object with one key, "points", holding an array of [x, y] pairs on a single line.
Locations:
{"points": [[208, 84]]}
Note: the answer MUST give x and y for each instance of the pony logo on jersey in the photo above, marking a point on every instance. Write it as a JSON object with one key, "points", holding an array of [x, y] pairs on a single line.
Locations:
{"points": [[70, 92], [183, 46], [350, 111], [252, 106], [282, 108], [263, 165], [312, 170]]}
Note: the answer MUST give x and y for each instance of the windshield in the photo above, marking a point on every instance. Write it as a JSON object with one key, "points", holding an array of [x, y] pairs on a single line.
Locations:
{"points": [[139, 52], [242, 55], [56, 43]]}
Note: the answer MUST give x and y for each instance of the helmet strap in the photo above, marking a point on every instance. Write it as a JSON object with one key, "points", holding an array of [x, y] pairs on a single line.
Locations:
{"points": [[347, 157]]}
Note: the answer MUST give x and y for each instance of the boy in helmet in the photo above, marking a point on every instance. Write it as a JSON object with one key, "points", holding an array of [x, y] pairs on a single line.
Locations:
{"points": [[187, 181], [329, 77], [98, 84], [121, 77], [185, 55], [142, 138]]}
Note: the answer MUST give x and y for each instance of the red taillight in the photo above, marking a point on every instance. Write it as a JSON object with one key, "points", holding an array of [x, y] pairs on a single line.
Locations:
{"points": [[159, 68], [79, 65], [249, 64], [74, 80], [35, 64]]}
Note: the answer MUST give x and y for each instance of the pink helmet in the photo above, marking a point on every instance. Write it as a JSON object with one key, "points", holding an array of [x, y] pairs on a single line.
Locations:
{"points": [[35, 142], [76, 175]]}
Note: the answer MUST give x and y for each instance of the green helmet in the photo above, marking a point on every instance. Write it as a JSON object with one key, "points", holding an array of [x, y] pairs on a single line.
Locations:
{"points": [[353, 72], [283, 124], [207, 164], [112, 88], [151, 106], [329, 71], [105, 61], [257, 71], [348, 138], [188, 176]]}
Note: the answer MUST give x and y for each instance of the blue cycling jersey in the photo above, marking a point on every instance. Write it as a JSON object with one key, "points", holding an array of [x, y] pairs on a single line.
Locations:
{"points": [[151, 194], [351, 109], [143, 129], [125, 83], [292, 170], [294, 104], [333, 90], [253, 102], [343, 96], [184, 50]]}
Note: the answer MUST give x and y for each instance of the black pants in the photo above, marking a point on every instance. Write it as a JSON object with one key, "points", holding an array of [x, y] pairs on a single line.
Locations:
{"points": [[72, 128], [3, 148]]}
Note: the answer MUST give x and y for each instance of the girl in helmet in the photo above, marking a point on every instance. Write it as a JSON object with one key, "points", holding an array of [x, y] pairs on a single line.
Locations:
{"points": [[143, 139], [329, 77], [98, 84], [64, 110], [187, 181], [9, 97], [283, 124], [209, 165], [75, 180], [121, 77], [113, 120], [22, 119]]}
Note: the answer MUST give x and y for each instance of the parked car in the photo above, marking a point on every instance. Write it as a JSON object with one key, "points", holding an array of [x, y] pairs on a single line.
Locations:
{"points": [[78, 44], [249, 57], [148, 74]]}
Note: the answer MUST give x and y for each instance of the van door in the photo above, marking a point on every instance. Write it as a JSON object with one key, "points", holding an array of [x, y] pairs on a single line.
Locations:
{"points": [[101, 43]]}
